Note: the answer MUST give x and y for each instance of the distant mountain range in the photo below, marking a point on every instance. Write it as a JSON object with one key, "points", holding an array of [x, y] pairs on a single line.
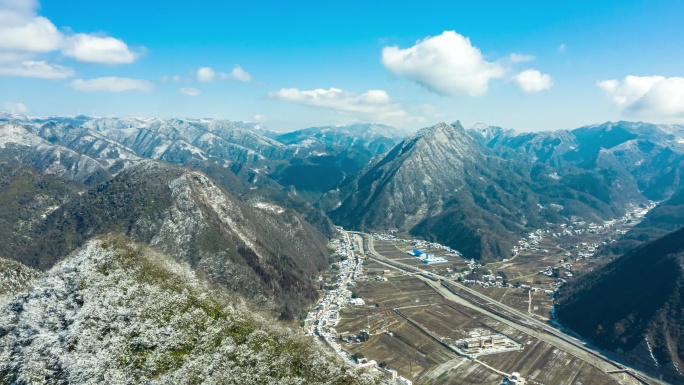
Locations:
{"points": [[328, 154], [477, 190], [233, 208]]}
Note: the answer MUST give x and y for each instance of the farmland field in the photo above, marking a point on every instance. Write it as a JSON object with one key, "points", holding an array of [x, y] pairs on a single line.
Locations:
{"points": [[422, 359]]}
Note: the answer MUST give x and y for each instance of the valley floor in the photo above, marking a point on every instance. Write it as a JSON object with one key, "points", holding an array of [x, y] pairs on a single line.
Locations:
{"points": [[415, 316]]}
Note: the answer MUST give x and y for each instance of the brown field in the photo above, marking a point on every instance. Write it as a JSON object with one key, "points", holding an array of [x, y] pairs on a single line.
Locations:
{"points": [[458, 326], [542, 363], [423, 360]]}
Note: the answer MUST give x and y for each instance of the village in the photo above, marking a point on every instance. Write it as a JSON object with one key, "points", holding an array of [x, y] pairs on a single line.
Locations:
{"points": [[554, 250], [325, 315], [368, 307]]}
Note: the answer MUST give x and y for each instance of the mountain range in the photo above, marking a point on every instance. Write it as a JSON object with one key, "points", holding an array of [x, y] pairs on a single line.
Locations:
{"points": [[479, 190], [262, 250], [476, 190], [233, 211]]}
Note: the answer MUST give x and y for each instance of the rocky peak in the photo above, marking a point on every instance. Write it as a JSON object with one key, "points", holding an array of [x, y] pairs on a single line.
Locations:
{"points": [[443, 143], [487, 132]]}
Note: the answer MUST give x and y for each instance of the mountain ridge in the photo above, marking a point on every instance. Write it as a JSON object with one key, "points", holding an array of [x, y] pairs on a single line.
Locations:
{"points": [[119, 312], [646, 318]]}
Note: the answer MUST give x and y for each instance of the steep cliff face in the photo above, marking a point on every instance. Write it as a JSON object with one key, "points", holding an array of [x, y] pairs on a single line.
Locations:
{"points": [[634, 307], [120, 313], [264, 251]]}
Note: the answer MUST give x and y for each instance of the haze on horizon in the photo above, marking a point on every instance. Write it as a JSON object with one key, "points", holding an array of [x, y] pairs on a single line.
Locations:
{"points": [[524, 66]]}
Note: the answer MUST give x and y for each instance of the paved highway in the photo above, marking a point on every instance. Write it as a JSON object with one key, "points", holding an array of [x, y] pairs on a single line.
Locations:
{"points": [[516, 319]]}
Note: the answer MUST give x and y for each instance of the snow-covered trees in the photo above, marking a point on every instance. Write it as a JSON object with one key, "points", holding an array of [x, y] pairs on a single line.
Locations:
{"points": [[118, 312]]}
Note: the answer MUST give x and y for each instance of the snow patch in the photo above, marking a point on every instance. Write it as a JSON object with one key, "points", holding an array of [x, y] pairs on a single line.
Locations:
{"points": [[12, 133], [269, 207]]}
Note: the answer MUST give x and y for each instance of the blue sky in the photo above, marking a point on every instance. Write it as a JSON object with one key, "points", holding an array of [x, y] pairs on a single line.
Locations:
{"points": [[521, 65]]}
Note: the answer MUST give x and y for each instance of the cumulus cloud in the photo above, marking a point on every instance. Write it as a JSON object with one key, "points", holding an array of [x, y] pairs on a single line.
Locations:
{"points": [[111, 84], [25, 34], [375, 105], [36, 69], [95, 49], [447, 64], [241, 75], [532, 81], [190, 91], [652, 96], [206, 75], [15, 107], [209, 75]]}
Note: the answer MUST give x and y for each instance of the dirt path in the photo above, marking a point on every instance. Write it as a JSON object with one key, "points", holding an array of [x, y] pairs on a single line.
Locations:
{"points": [[529, 302]]}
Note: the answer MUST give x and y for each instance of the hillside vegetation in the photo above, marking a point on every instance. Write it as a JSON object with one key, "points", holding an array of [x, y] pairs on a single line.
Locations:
{"points": [[118, 312], [264, 251], [634, 306]]}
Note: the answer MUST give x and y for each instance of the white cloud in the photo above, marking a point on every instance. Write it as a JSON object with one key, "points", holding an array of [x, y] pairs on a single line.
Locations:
{"points": [[190, 91], [206, 75], [520, 58], [532, 81], [447, 64], [111, 84], [561, 48], [652, 96], [209, 75], [14, 57], [36, 69], [24, 34], [22, 30], [170, 79], [239, 74], [15, 107], [94, 49], [375, 105], [260, 118]]}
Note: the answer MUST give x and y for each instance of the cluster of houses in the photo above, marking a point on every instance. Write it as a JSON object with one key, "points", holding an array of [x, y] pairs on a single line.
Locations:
{"points": [[472, 265], [530, 242], [489, 280], [323, 317], [550, 273], [580, 227]]}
